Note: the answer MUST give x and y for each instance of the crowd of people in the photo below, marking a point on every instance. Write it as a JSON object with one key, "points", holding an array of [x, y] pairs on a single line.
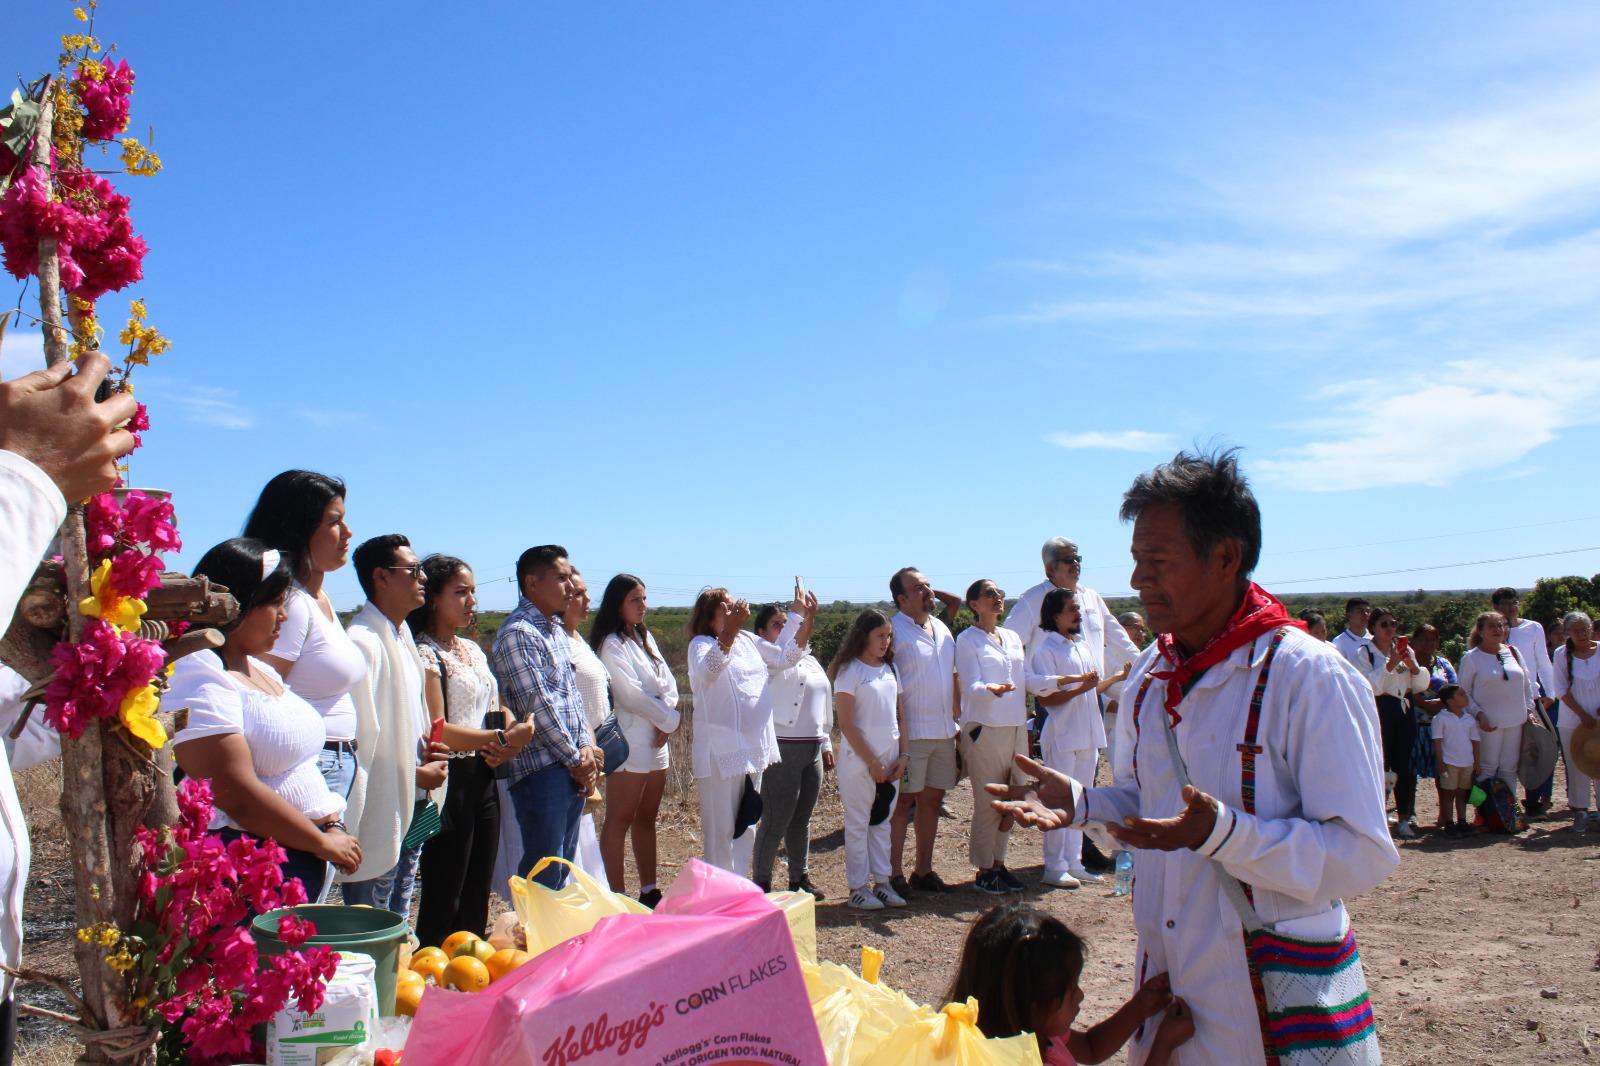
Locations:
{"points": [[1461, 723], [393, 751]]}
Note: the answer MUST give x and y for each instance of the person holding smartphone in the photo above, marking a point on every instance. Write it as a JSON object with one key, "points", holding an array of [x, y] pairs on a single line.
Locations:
{"points": [[734, 738], [1393, 685]]}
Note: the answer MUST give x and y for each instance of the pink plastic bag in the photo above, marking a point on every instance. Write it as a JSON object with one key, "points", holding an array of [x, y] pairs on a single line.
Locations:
{"points": [[710, 976]]}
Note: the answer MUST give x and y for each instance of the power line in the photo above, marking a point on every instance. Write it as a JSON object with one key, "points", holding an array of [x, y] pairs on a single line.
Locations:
{"points": [[1438, 566]]}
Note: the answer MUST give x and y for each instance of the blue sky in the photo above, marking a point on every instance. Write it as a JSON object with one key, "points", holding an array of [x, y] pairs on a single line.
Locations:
{"points": [[727, 293]]}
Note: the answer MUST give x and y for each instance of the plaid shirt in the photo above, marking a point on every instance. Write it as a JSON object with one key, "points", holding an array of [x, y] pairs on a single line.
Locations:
{"points": [[533, 664]]}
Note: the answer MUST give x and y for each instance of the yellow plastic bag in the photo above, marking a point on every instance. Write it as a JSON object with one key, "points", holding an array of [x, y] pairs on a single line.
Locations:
{"points": [[801, 910], [854, 1015], [952, 1038], [554, 916]]}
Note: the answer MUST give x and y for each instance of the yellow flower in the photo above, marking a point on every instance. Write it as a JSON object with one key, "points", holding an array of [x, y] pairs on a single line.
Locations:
{"points": [[85, 935], [80, 14], [121, 962], [138, 712], [137, 309], [109, 935], [123, 612], [141, 161]]}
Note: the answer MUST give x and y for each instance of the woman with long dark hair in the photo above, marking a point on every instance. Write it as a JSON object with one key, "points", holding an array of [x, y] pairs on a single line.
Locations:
{"points": [[866, 705], [301, 514], [645, 694], [1399, 678], [457, 865], [1425, 649], [251, 736]]}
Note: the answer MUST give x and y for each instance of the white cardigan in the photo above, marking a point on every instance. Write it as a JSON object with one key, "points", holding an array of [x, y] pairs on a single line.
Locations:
{"points": [[389, 734], [733, 731]]}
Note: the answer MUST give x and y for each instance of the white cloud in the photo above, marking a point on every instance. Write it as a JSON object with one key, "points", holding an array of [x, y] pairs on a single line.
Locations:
{"points": [[1444, 269], [1464, 418], [20, 353], [208, 405], [1124, 440]]}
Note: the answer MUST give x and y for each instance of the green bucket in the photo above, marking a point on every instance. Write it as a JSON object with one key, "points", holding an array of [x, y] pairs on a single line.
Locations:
{"points": [[366, 930], [1477, 797]]}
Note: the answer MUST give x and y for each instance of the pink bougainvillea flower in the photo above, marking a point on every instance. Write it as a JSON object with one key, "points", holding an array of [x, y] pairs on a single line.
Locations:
{"points": [[149, 521], [102, 523], [134, 574], [106, 91], [138, 424], [294, 930], [95, 675]]}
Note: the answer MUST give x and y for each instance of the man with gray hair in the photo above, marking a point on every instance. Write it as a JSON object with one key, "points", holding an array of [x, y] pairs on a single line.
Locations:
{"points": [[1106, 641]]}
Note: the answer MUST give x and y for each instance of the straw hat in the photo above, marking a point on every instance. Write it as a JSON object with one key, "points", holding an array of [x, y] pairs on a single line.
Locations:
{"points": [[1583, 751]]}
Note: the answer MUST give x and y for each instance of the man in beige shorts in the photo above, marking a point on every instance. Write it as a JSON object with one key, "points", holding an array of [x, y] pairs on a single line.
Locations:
{"points": [[925, 661]]}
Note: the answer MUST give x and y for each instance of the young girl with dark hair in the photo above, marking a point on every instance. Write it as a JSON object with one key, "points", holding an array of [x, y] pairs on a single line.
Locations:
{"points": [[645, 693], [1023, 968], [254, 739], [457, 865], [867, 708], [301, 514]]}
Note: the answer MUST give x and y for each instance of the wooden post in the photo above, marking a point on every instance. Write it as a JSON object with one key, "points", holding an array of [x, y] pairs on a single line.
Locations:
{"points": [[84, 812]]}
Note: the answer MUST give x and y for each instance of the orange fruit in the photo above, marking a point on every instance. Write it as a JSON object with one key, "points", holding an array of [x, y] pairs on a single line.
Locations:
{"points": [[475, 949], [452, 943], [408, 997], [431, 967], [466, 974], [504, 961]]}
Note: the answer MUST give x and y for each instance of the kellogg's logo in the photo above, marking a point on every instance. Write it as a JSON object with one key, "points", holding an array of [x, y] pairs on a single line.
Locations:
{"points": [[600, 1035]]}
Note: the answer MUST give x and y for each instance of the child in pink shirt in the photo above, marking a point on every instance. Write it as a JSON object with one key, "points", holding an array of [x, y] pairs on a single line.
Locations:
{"points": [[1022, 966]]}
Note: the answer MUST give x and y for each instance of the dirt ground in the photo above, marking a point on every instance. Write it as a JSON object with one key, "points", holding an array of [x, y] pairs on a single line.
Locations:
{"points": [[1477, 951]]}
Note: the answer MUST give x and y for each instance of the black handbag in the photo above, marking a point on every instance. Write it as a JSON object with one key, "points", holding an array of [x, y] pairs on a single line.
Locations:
{"points": [[610, 740]]}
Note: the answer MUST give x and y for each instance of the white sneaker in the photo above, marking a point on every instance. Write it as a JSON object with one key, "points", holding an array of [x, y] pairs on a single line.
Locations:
{"points": [[1085, 876], [862, 900], [1404, 831], [888, 896], [1060, 879]]}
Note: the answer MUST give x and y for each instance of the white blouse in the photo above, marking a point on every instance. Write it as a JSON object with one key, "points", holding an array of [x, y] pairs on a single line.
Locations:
{"points": [[327, 665], [1074, 725], [733, 731], [594, 683], [1497, 687], [1585, 684], [802, 702], [983, 660], [641, 683], [284, 733], [876, 692], [470, 688], [1399, 681]]}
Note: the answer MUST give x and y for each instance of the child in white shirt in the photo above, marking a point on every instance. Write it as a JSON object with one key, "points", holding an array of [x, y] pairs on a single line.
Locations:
{"points": [[1455, 749]]}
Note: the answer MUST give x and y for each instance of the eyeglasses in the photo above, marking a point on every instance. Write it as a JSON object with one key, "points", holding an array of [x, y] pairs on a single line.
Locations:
{"points": [[994, 594], [1388, 623], [1071, 560], [415, 570]]}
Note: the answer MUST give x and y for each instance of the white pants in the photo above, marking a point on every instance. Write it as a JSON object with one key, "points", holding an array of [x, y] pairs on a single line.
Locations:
{"points": [[1110, 723], [1499, 753], [866, 847], [719, 803], [1063, 848], [1583, 791]]}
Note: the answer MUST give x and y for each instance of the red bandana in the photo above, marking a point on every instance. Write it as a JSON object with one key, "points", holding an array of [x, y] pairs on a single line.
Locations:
{"points": [[1261, 612]]}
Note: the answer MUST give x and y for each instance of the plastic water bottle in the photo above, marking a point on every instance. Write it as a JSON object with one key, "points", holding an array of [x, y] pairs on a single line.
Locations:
{"points": [[1123, 884]]}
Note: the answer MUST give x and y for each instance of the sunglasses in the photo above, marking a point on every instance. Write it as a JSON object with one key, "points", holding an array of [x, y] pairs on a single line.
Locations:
{"points": [[415, 570], [994, 594], [1071, 560]]}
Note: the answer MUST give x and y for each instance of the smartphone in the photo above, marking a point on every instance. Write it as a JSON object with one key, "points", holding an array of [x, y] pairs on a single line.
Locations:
{"points": [[799, 587], [498, 720], [1403, 643]]}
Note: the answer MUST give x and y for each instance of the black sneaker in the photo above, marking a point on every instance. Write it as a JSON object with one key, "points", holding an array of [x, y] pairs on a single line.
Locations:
{"points": [[928, 882], [650, 898], [805, 885], [765, 886], [988, 881], [901, 888], [1094, 860], [1008, 879]]}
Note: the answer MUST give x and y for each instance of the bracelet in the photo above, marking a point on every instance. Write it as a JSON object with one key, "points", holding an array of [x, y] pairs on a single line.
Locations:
{"points": [[335, 824], [500, 735]]}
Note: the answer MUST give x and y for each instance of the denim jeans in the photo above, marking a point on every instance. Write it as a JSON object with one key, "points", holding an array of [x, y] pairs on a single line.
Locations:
{"points": [[548, 805], [338, 769], [389, 891]]}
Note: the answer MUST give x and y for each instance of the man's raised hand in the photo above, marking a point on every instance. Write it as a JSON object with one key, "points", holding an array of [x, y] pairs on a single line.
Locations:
{"points": [[1189, 829], [1045, 801]]}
